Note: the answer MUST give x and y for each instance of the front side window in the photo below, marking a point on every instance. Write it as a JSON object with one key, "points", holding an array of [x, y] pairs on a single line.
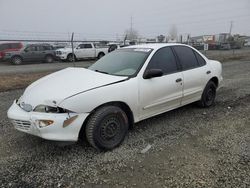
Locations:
{"points": [[164, 59], [84, 46], [186, 57], [30, 48], [122, 62]]}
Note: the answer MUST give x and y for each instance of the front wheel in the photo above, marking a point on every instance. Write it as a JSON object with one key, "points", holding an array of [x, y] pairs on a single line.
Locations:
{"points": [[71, 58], [107, 128], [100, 55], [208, 95], [49, 59]]}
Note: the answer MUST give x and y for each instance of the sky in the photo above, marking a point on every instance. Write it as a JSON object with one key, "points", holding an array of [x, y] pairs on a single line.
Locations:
{"points": [[108, 19]]}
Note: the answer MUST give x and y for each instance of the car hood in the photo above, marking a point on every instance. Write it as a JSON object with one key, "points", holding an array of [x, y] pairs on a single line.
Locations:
{"points": [[54, 88]]}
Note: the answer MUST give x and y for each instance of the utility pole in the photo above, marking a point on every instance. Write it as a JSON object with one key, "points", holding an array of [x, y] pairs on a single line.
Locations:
{"points": [[131, 28], [131, 24], [231, 27], [72, 46]]}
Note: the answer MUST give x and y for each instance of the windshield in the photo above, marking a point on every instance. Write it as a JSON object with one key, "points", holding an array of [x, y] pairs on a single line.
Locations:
{"points": [[122, 62]]}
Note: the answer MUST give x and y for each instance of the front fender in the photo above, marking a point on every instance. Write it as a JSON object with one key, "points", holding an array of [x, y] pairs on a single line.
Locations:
{"points": [[126, 92]]}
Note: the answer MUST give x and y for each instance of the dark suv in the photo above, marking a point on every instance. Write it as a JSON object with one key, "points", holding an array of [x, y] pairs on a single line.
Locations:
{"points": [[9, 47], [32, 52]]}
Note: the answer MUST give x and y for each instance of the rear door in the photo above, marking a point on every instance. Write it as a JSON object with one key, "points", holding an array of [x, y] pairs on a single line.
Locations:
{"points": [[195, 74], [160, 94]]}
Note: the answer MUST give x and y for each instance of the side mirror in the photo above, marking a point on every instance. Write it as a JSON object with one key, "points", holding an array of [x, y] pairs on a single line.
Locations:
{"points": [[152, 73], [26, 50]]}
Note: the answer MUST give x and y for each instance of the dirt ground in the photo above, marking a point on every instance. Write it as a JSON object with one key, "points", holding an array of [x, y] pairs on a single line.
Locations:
{"points": [[190, 147]]}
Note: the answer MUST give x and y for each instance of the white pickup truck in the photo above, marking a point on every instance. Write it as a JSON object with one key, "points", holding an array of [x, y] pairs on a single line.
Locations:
{"points": [[82, 51]]}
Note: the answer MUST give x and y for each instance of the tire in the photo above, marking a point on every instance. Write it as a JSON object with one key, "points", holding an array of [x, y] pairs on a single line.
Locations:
{"points": [[49, 59], [100, 55], [71, 58], [16, 60], [107, 128], [208, 95]]}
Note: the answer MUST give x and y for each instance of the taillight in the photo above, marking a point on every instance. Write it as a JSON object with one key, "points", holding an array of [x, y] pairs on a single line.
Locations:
{"points": [[1, 54]]}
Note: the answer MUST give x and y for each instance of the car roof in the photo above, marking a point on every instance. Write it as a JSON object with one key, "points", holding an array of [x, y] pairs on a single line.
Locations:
{"points": [[155, 46]]}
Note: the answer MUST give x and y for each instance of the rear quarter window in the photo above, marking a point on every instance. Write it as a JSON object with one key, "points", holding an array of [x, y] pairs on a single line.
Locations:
{"points": [[186, 57], [200, 59]]}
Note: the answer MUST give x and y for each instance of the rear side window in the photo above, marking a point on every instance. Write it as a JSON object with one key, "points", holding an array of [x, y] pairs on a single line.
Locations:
{"points": [[186, 57], [15, 45], [200, 59], [164, 59]]}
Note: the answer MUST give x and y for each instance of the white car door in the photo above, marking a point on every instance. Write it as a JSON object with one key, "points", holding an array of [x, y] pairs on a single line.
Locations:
{"points": [[195, 73], [85, 51], [160, 94]]}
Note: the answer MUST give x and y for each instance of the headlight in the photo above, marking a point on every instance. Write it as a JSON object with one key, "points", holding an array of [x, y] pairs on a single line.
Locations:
{"points": [[50, 109]]}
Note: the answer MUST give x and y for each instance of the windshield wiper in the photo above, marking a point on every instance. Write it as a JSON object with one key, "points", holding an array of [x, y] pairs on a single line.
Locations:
{"points": [[102, 72]]}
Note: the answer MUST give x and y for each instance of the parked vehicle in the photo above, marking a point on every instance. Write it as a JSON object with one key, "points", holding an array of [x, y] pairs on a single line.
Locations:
{"points": [[113, 47], [9, 47], [82, 51], [33, 52], [124, 87]]}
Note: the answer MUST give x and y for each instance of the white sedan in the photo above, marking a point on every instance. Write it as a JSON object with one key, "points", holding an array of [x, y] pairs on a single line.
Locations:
{"points": [[124, 87]]}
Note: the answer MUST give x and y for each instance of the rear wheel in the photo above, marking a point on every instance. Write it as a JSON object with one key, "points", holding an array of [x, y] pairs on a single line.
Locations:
{"points": [[208, 95], [107, 128], [16, 60]]}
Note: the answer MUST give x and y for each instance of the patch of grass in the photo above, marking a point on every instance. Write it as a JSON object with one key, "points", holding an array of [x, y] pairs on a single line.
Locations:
{"points": [[19, 81]]}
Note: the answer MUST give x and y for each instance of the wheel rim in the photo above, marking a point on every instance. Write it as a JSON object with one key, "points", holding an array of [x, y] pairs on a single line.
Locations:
{"points": [[70, 58], [210, 96], [100, 56], [17, 60], [110, 130], [49, 59]]}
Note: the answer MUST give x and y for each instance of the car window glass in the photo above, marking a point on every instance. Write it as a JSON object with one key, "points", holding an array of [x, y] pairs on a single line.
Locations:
{"points": [[163, 59], [47, 47], [14, 45], [40, 48], [186, 57], [31, 48], [200, 59], [87, 46]]}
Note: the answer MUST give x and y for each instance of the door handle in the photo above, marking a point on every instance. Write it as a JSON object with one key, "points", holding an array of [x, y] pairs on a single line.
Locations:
{"points": [[178, 80], [208, 72]]}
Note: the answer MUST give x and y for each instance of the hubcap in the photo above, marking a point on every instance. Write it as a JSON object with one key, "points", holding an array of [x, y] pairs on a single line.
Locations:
{"points": [[110, 128], [17, 60], [49, 59]]}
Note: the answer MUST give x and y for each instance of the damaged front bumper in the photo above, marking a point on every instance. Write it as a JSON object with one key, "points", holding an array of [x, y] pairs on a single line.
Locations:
{"points": [[30, 122]]}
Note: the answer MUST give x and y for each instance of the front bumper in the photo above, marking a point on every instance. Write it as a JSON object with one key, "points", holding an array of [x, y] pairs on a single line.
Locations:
{"points": [[28, 122], [62, 56]]}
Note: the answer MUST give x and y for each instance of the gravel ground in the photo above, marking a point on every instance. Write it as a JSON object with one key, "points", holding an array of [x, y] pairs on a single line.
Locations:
{"points": [[190, 147]]}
